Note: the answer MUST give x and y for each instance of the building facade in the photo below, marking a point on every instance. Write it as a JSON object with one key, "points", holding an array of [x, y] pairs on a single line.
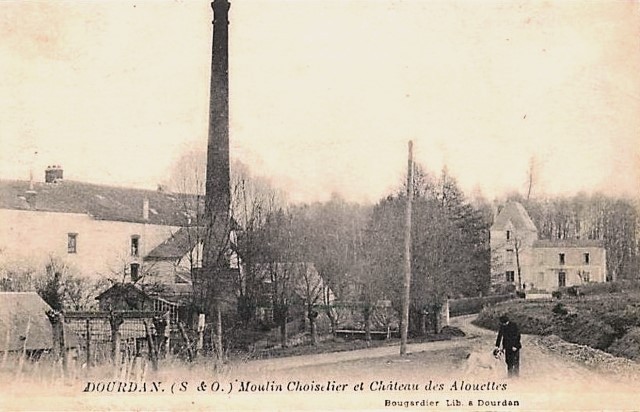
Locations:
{"points": [[520, 259], [94, 230]]}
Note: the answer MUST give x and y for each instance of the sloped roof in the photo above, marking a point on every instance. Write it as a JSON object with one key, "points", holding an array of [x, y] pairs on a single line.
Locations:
{"points": [[168, 292], [568, 243], [19, 310], [120, 289], [176, 246], [101, 202], [515, 213], [183, 241]]}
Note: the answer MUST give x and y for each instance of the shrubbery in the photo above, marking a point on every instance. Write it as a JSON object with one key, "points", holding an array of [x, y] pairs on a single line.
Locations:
{"points": [[602, 288], [559, 309], [529, 321], [583, 329], [628, 346], [606, 322], [467, 306]]}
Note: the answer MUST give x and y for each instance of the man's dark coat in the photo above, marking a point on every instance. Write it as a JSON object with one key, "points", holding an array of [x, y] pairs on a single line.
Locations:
{"points": [[509, 336]]}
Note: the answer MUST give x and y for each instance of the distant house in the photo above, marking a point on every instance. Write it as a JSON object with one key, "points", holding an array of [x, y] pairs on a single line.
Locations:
{"points": [[97, 230], [303, 282], [174, 260], [144, 297], [167, 281], [545, 265], [24, 324]]}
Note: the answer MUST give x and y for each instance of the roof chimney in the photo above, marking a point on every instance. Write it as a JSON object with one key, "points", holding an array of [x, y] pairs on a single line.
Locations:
{"points": [[53, 174], [145, 208]]}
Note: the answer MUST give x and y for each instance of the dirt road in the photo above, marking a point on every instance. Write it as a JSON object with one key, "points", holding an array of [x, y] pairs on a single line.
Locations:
{"points": [[547, 381], [451, 375]]}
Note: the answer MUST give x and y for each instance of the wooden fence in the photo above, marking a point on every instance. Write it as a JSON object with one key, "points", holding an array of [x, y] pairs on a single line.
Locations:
{"points": [[112, 336]]}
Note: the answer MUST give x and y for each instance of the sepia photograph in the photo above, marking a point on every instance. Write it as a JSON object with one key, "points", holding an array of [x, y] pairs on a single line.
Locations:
{"points": [[320, 205]]}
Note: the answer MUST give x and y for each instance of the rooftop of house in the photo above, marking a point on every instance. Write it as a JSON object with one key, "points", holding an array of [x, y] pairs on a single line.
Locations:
{"points": [[555, 243], [515, 213], [135, 293], [178, 245], [101, 202], [24, 323], [182, 242]]}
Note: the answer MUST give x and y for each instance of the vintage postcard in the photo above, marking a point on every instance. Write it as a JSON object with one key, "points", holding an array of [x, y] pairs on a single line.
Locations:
{"points": [[319, 205]]}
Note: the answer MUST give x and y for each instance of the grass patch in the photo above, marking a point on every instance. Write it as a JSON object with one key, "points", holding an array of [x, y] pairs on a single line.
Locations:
{"points": [[333, 344], [605, 321]]}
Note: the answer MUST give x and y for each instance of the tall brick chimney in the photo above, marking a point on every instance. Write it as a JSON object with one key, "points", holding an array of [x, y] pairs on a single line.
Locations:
{"points": [[217, 182], [215, 264]]}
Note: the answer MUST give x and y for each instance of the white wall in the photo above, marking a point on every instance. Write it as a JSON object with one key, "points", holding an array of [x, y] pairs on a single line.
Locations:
{"points": [[28, 238], [544, 273], [500, 262]]}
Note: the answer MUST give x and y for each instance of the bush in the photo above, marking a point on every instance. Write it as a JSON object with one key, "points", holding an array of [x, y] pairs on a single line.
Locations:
{"points": [[531, 321], [610, 287], [503, 289], [559, 309], [585, 330], [598, 321], [628, 346], [467, 306], [556, 294], [452, 331], [572, 291]]}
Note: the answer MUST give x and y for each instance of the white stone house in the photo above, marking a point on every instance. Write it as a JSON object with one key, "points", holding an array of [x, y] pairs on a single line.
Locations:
{"points": [[519, 258], [96, 230]]}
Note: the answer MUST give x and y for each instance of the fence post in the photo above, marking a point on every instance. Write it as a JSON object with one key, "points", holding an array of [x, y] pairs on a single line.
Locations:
{"points": [[57, 329], [186, 340], [23, 355], [62, 343], [6, 351], [88, 331], [115, 320], [201, 324], [153, 353], [161, 325], [53, 319]]}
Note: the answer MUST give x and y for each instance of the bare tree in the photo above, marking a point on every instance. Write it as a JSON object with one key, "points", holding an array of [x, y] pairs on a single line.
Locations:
{"points": [[531, 176], [517, 246], [310, 287]]}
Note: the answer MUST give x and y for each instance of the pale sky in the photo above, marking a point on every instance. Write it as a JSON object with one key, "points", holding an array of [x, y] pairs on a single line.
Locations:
{"points": [[325, 94]]}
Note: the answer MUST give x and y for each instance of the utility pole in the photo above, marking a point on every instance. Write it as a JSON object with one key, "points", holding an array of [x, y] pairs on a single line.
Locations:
{"points": [[407, 255]]}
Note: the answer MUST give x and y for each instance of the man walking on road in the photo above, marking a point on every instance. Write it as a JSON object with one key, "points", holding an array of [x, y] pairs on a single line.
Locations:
{"points": [[509, 337]]}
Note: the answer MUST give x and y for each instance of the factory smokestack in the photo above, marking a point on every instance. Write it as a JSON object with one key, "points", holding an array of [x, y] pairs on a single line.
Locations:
{"points": [[217, 184], [215, 265]]}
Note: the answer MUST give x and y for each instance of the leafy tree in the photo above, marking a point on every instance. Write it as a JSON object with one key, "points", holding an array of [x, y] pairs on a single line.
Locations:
{"points": [[450, 254]]}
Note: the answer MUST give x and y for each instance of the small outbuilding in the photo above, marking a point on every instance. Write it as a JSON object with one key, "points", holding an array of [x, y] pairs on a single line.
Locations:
{"points": [[24, 324]]}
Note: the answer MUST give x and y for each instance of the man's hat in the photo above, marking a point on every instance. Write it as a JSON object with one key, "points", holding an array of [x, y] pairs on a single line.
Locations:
{"points": [[504, 319]]}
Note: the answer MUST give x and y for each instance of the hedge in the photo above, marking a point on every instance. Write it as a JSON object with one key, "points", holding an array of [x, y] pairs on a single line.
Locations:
{"points": [[468, 306]]}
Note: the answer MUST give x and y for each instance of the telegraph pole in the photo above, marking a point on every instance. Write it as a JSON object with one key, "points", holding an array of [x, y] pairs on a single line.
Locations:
{"points": [[407, 255]]}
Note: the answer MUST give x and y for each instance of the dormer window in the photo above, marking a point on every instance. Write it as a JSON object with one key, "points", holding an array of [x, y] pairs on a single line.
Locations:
{"points": [[135, 245]]}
